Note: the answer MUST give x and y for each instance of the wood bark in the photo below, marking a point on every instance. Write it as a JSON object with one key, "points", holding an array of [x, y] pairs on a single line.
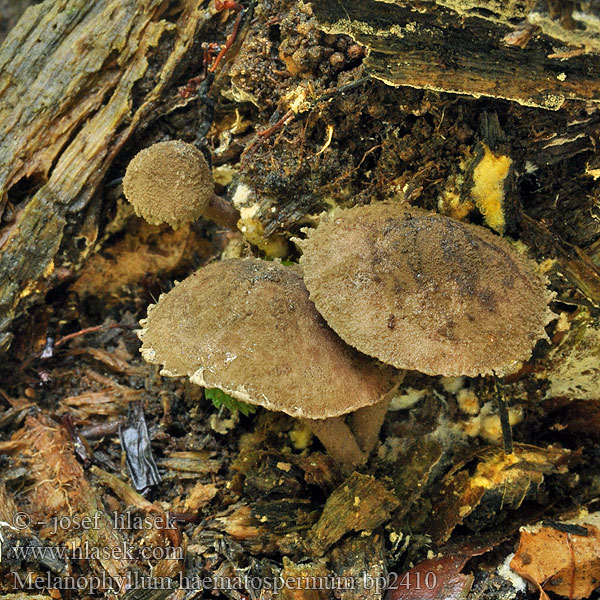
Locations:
{"points": [[474, 48], [73, 91], [76, 80]]}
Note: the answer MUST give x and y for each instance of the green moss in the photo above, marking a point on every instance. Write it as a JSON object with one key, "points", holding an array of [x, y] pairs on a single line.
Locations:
{"points": [[219, 398]]}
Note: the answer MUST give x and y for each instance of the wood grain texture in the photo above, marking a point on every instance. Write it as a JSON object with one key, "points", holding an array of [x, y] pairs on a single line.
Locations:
{"points": [[71, 94], [459, 47]]}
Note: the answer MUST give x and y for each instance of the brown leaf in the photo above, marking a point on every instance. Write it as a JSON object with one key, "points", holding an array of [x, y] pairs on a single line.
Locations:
{"points": [[563, 558], [439, 578]]}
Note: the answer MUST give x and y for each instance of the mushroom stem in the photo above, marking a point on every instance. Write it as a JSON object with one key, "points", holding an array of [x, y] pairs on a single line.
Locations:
{"points": [[366, 424], [339, 441], [222, 212], [367, 421]]}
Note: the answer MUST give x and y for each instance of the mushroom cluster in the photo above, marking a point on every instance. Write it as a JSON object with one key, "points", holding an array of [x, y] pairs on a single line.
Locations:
{"points": [[415, 290], [171, 182]]}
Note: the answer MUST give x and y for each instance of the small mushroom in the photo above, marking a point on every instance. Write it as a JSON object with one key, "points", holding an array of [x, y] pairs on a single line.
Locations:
{"points": [[171, 182], [247, 327], [425, 292]]}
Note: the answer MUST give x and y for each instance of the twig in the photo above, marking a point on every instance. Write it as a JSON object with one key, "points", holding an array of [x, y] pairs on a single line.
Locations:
{"points": [[504, 417], [228, 43], [267, 132], [87, 330]]}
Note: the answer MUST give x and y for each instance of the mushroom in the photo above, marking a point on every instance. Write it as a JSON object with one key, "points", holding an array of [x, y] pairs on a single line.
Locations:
{"points": [[171, 182], [425, 292], [247, 327]]}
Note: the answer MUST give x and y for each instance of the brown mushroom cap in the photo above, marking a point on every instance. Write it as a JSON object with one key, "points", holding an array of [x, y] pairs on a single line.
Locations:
{"points": [[169, 182], [249, 328], [425, 292]]}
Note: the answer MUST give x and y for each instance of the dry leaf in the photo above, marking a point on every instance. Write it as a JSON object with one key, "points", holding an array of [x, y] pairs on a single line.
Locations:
{"points": [[563, 558], [440, 577]]}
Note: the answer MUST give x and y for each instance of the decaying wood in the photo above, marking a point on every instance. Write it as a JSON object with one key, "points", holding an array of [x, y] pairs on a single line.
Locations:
{"points": [[72, 92], [461, 47], [61, 485], [361, 503], [148, 250], [501, 483], [572, 262], [78, 112], [258, 496], [360, 555]]}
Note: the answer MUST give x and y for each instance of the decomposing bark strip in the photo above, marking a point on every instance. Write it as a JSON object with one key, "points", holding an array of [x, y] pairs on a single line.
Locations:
{"points": [[429, 46]]}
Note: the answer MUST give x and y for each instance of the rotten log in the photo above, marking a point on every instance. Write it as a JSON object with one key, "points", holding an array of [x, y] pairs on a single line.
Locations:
{"points": [[473, 47], [76, 81], [70, 101]]}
